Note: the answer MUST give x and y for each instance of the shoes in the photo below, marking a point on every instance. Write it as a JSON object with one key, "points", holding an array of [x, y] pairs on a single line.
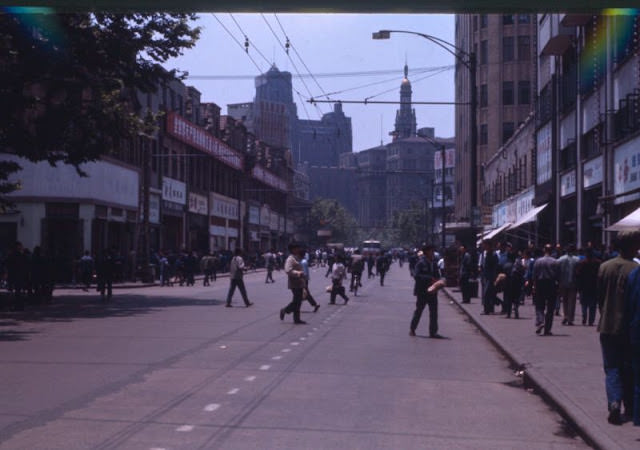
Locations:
{"points": [[548, 333], [249, 304], [565, 322], [539, 329], [436, 336], [346, 300], [570, 324], [615, 417], [516, 315], [316, 308], [508, 316], [300, 322], [412, 333], [228, 305], [282, 313], [332, 303], [584, 321]]}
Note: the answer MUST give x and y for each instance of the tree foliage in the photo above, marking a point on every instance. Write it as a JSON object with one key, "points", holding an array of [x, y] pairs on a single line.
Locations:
{"points": [[410, 226], [329, 214], [70, 81]]}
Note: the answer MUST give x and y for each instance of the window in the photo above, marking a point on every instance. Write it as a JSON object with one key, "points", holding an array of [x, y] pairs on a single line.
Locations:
{"points": [[524, 48], [507, 19], [484, 21], [484, 95], [507, 48], [524, 18], [484, 56], [484, 134], [524, 92], [507, 131], [507, 93]]}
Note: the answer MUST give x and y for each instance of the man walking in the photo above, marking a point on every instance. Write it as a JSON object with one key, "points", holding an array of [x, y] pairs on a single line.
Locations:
{"points": [[466, 272], [545, 279], [304, 262], [236, 273], [382, 265], [489, 274], [568, 287], [270, 263], [614, 340], [427, 281], [296, 282]]}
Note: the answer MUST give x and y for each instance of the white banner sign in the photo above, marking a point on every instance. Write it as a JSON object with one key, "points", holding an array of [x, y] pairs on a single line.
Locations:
{"points": [[568, 183], [174, 191], [627, 167], [198, 204], [544, 154], [224, 207], [592, 172]]}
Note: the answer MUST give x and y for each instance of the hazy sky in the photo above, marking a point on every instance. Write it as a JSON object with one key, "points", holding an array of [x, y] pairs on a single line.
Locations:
{"points": [[339, 45]]}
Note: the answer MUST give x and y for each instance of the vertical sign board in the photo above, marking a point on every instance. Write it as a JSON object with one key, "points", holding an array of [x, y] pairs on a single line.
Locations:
{"points": [[543, 162]]}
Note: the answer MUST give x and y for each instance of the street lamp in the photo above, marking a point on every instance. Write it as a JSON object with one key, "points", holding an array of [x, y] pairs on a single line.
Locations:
{"points": [[468, 60]]}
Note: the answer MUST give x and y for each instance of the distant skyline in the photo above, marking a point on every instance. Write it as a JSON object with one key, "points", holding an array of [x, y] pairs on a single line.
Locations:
{"points": [[340, 54]]}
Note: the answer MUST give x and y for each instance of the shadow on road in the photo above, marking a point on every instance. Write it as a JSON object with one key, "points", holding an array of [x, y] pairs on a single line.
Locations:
{"points": [[69, 308]]}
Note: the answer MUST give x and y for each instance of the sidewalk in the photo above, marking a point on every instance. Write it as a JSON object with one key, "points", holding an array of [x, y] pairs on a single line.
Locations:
{"points": [[565, 368]]}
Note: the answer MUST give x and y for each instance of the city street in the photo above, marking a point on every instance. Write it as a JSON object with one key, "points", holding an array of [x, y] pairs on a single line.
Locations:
{"points": [[172, 368]]}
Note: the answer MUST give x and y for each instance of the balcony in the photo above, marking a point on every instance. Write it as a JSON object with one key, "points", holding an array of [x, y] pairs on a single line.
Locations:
{"points": [[553, 37]]}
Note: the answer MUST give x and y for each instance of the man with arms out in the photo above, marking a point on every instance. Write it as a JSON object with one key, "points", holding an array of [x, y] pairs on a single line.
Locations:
{"points": [[614, 340], [427, 282]]}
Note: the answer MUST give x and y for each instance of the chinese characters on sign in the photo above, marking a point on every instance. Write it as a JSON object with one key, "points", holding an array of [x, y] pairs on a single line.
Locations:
{"points": [[174, 191], [268, 178], [544, 154], [198, 137], [198, 204], [568, 184], [592, 172], [627, 167]]}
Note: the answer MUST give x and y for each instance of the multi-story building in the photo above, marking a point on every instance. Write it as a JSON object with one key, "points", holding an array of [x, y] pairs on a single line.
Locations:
{"points": [[321, 142], [587, 123], [405, 125], [504, 50]]}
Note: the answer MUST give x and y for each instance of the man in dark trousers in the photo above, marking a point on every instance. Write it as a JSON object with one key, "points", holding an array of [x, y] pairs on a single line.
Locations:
{"points": [[466, 272], [382, 265], [489, 273], [296, 282], [426, 274], [546, 274], [236, 274]]}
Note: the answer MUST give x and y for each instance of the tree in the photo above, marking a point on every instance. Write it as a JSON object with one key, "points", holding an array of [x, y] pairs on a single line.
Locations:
{"points": [[70, 81], [409, 225], [330, 214]]}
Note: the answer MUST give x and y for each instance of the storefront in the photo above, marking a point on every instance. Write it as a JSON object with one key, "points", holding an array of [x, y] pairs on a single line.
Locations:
{"points": [[568, 208], [174, 201], [223, 222], [253, 229], [198, 222], [626, 181], [592, 189]]}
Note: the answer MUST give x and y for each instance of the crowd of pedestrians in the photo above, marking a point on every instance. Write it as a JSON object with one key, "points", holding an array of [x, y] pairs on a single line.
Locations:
{"points": [[557, 278]]}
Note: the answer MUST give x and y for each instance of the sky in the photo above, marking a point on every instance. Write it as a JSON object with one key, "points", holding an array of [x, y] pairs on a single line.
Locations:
{"points": [[334, 55]]}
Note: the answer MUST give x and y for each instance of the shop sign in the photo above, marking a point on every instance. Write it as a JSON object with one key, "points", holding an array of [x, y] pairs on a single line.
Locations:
{"points": [[544, 154], [232, 232], [449, 161], [273, 223], [216, 230], [265, 216], [224, 207], [524, 203], [592, 172], [174, 191], [627, 167], [201, 139], [198, 204], [154, 208], [568, 184], [254, 215], [268, 178], [105, 182]]}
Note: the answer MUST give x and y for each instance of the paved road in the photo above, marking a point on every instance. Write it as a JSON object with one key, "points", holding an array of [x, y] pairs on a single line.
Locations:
{"points": [[172, 368]]}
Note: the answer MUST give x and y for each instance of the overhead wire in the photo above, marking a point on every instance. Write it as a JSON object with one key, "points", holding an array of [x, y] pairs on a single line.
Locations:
{"points": [[248, 41], [415, 81], [236, 41]]}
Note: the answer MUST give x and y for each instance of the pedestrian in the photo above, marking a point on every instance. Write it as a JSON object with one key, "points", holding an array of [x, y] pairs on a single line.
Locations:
{"points": [[568, 289], [331, 259], [545, 279], [86, 270], [356, 269], [270, 263], [612, 283], [307, 276], [514, 285], [428, 280], [105, 271], [489, 275], [338, 274], [206, 267], [236, 274], [586, 282], [632, 324], [382, 265], [465, 274], [295, 282]]}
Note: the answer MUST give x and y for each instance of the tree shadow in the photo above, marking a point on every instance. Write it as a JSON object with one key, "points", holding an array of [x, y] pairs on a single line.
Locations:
{"points": [[69, 308]]}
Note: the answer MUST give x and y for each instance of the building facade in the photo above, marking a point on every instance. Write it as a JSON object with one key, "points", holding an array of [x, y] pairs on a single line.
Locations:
{"points": [[504, 49]]}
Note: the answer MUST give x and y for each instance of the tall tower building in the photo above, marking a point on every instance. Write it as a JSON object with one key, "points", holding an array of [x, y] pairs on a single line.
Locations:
{"points": [[505, 49], [406, 116]]}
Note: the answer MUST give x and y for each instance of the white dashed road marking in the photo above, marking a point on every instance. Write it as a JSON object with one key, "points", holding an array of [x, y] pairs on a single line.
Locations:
{"points": [[233, 391], [185, 428], [286, 350], [295, 343], [276, 358], [250, 378], [211, 407], [265, 367]]}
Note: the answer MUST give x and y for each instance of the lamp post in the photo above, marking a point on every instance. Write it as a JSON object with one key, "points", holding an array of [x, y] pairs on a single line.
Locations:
{"points": [[468, 60]]}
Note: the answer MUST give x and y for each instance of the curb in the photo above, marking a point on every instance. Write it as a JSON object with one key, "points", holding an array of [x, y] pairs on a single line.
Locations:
{"points": [[545, 387]]}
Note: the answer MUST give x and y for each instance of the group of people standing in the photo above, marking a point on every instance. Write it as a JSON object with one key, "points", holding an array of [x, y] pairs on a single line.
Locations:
{"points": [[556, 279]]}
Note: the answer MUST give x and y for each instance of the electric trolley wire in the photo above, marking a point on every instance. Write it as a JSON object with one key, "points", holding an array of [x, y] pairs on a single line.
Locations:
{"points": [[247, 41], [236, 41]]}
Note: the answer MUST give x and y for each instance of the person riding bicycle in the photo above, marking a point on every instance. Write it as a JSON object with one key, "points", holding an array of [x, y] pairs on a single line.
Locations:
{"points": [[357, 267]]}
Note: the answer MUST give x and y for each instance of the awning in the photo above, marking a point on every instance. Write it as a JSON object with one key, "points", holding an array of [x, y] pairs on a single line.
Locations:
{"points": [[493, 233], [627, 223], [530, 216]]}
